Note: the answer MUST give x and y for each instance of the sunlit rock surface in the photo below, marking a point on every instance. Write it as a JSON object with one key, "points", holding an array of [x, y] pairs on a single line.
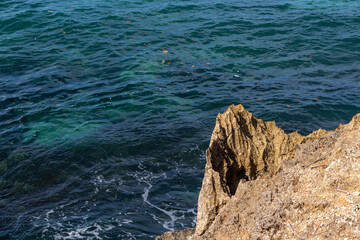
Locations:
{"points": [[241, 147], [261, 183]]}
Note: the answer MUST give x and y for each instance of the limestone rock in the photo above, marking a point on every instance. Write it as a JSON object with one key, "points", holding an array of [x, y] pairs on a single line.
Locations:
{"points": [[316, 195], [174, 235], [241, 147], [261, 183]]}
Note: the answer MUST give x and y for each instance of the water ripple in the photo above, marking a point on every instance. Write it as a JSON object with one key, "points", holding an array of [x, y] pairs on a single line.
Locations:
{"points": [[107, 106]]}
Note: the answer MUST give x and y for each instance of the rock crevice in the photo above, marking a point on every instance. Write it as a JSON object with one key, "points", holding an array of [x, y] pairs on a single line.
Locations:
{"points": [[241, 147]]}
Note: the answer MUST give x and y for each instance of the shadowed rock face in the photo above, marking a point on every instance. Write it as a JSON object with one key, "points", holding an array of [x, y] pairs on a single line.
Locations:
{"points": [[241, 147]]}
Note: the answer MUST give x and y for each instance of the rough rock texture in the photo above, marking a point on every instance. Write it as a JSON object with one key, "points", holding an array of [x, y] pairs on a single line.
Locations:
{"points": [[261, 183], [241, 147], [184, 234]]}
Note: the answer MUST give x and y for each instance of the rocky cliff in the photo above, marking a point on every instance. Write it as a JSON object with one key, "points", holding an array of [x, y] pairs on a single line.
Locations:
{"points": [[261, 183]]}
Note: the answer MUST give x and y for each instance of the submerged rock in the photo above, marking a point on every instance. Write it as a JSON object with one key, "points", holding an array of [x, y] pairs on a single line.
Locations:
{"points": [[261, 183]]}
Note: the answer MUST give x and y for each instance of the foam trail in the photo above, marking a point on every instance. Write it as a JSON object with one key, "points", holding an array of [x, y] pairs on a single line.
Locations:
{"points": [[168, 224], [169, 213]]}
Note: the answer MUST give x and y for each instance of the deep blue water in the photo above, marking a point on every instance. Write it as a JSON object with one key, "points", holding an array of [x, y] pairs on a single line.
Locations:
{"points": [[103, 132]]}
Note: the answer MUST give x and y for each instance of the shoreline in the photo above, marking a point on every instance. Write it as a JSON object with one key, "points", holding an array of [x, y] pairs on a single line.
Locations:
{"points": [[261, 183]]}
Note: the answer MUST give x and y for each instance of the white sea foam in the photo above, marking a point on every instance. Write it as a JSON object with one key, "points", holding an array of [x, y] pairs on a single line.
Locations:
{"points": [[91, 232], [127, 221], [168, 224], [47, 214], [68, 204], [58, 226], [101, 183]]}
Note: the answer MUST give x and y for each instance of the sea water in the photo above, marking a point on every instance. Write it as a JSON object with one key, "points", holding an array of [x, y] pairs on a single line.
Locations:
{"points": [[107, 106]]}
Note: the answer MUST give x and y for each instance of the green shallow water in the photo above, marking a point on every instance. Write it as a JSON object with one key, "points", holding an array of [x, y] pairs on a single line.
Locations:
{"points": [[107, 107]]}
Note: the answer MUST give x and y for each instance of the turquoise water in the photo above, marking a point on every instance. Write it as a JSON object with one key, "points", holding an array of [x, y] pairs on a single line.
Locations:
{"points": [[108, 106]]}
